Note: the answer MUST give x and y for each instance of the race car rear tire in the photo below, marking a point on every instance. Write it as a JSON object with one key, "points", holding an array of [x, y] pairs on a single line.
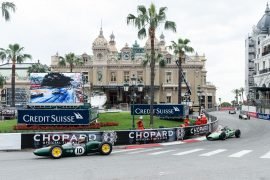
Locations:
{"points": [[222, 136], [56, 151], [105, 148], [237, 133]]}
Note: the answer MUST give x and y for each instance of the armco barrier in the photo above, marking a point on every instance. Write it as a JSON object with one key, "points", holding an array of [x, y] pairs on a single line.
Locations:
{"points": [[10, 141], [40, 139]]}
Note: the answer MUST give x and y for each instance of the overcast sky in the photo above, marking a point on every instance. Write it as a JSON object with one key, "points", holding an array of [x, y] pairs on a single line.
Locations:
{"points": [[216, 28]]}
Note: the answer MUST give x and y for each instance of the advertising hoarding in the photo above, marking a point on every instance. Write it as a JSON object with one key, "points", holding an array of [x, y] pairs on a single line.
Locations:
{"points": [[54, 116], [160, 109], [47, 88]]}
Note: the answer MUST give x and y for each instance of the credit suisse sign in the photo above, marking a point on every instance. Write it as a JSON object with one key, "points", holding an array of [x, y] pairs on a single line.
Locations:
{"points": [[54, 117], [159, 109]]}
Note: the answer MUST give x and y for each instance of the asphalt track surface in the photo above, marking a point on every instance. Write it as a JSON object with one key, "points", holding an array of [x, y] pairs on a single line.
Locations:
{"points": [[245, 158]]}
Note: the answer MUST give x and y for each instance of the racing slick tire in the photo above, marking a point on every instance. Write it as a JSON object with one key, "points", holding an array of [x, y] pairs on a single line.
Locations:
{"points": [[105, 148], [237, 133], [222, 136], [207, 136], [56, 151]]}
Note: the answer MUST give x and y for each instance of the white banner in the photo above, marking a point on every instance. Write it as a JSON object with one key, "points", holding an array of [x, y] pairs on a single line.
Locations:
{"points": [[249, 108], [10, 141]]}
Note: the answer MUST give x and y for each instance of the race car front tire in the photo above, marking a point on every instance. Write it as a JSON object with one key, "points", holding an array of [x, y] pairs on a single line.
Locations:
{"points": [[237, 133], [56, 151], [222, 136], [208, 135], [105, 148]]}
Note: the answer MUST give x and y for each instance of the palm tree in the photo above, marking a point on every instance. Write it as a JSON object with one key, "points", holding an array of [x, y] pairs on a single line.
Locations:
{"points": [[38, 68], [236, 92], [71, 59], [6, 7], [13, 53], [241, 90], [149, 19], [180, 48]]}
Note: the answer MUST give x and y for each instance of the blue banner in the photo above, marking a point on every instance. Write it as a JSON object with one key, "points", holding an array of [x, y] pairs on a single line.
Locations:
{"points": [[54, 117], [159, 109], [263, 116]]}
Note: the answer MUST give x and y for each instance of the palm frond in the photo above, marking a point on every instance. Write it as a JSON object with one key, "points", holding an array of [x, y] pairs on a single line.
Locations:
{"points": [[142, 33], [130, 18], [141, 9], [6, 7]]}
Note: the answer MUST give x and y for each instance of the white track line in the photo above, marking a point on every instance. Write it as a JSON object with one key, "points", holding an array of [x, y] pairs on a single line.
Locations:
{"points": [[266, 156], [213, 152], [240, 153], [188, 152], [172, 143], [124, 150], [201, 138], [144, 150], [161, 152]]}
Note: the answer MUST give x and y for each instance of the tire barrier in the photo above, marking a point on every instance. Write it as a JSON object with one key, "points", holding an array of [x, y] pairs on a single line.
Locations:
{"points": [[121, 137]]}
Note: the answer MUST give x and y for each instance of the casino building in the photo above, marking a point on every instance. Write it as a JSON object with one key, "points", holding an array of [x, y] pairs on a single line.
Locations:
{"points": [[107, 70], [257, 72]]}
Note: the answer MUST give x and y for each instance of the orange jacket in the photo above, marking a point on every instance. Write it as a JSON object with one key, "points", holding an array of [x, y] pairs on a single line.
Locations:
{"points": [[198, 122], [140, 125], [204, 120]]}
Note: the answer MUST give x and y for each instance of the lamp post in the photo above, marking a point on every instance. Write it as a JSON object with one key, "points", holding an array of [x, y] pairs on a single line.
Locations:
{"points": [[199, 91], [219, 103], [179, 65], [134, 84], [248, 101]]}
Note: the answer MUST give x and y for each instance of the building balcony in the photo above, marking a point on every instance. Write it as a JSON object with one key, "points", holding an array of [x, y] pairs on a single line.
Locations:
{"points": [[265, 53], [264, 71]]}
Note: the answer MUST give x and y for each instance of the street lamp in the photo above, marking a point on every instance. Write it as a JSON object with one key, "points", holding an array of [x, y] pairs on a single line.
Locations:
{"points": [[133, 96], [219, 103], [179, 65], [199, 92]]}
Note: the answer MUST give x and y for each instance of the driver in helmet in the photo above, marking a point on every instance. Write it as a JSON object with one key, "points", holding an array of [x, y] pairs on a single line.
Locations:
{"points": [[82, 140]]}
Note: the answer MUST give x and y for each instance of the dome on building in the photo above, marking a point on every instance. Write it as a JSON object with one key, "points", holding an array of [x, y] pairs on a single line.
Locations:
{"points": [[264, 24], [100, 41], [112, 46]]}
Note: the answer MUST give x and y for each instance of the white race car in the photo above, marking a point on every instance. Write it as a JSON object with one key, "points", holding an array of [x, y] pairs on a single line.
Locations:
{"points": [[244, 116]]}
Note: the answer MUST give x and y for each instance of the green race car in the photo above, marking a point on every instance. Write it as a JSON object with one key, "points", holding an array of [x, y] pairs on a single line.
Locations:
{"points": [[75, 149], [223, 133]]}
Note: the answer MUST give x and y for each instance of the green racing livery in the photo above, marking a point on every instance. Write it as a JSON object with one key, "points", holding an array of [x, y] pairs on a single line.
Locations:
{"points": [[74, 149], [223, 133]]}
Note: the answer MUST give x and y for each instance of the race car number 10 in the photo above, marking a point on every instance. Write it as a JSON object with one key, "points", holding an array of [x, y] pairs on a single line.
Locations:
{"points": [[79, 150]]}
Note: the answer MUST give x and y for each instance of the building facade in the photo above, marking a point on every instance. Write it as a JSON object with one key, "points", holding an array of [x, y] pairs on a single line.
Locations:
{"points": [[258, 64], [108, 69]]}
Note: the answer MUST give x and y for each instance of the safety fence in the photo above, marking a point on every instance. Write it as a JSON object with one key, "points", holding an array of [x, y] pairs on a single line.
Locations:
{"points": [[13, 141]]}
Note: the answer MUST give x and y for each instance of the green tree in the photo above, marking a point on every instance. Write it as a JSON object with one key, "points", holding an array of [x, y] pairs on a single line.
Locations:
{"points": [[179, 49], [147, 21], [14, 53], [38, 68], [236, 92], [6, 7], [70, 59], [241, 91], [226, 104]]}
